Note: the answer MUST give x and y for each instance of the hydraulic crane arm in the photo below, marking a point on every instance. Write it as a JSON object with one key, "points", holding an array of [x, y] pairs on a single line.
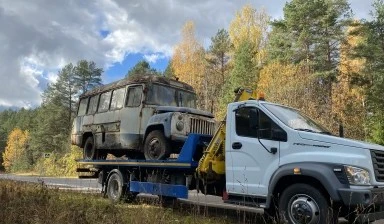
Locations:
{"points": [[212, 163]]}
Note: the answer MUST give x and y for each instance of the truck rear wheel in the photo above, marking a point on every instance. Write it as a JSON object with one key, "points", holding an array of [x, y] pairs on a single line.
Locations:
{"points": [[117, 190], [156, 146], [304, 204]]}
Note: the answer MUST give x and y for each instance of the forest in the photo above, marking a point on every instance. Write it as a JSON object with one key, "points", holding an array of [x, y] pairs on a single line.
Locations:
{"points": [[317, 58]]}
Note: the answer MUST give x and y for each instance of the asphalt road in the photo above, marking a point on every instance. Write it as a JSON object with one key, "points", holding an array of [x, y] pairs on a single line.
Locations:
{"points": [[211, 203]]}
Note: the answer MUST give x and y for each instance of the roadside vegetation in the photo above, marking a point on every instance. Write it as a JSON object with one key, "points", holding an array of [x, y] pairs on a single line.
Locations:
{"points": [[34, 203], [316, 58]]}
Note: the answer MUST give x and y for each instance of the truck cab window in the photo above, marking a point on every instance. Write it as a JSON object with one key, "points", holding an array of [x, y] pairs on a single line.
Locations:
{"points": [[117, 99], [247, 122], [82, 107], [105, 99], [268, 127], [92, 108], [254, 123], [134, 96]]}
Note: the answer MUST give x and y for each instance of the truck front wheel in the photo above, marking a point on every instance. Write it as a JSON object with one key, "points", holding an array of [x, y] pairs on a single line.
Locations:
{"points": [[156, 146], [304, 204]]}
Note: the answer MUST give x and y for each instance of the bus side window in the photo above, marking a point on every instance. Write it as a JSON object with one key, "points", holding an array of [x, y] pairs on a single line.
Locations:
{"points": [[134, 96], [117, 99], [92, 108], [82, 107], [105, 100]]}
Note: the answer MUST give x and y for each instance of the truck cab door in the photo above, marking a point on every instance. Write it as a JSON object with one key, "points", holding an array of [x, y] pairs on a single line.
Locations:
{"points": [[252, 150]]}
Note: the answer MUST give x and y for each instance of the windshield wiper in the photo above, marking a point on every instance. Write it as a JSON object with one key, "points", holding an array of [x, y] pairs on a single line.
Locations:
{"points": [[305, 129], [312, 131], [325, 132]]}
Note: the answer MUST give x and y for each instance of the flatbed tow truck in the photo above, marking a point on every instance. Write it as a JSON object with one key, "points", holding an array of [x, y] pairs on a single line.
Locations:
{"points": [[262, 155]]}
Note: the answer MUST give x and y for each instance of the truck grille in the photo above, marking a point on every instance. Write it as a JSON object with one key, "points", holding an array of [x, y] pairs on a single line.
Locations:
{"points": [[378, 164], [201, 127]]}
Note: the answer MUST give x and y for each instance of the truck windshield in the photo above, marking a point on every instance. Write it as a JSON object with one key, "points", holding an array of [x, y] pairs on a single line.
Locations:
{"points": [[295, 119], [168, 96]]}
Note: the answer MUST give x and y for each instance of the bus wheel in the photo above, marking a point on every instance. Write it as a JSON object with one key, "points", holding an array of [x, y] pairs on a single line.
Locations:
{"points": [[89, 151], [156, 146]]}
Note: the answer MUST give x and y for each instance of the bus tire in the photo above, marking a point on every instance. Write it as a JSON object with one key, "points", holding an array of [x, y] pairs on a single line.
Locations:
{"points": [[89, 151], [156, 146]]}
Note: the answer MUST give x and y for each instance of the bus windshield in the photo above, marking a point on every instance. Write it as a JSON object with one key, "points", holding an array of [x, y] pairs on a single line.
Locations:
{"points": [[169, 96]]}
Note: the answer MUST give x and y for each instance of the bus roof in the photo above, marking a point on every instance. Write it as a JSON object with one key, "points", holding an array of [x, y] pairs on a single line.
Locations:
{"points": [[136, 80]]}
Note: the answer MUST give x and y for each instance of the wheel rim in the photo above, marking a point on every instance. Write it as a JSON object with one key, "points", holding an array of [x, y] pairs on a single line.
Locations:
{"points": [[302, 209], [88, 151], [114, 189], [154, 148]]}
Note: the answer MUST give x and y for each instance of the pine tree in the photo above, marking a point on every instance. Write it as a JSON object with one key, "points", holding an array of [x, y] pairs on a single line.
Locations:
{"points": [[86, 75], [217, 71], [142, 68]]}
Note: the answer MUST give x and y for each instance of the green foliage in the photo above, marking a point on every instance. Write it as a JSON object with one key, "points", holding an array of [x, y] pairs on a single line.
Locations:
{"points": [[311, 32], [244, 73], [142, 68], [169, 73], [87, 75], [50, 125], [218, 67]]}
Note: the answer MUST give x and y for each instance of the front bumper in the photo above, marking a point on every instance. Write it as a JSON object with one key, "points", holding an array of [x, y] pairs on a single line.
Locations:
{"points": [[368, 203]]}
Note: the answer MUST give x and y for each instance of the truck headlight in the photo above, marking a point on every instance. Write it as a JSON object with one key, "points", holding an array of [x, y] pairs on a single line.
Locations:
{"points": [[180, 125], [357, 176]]}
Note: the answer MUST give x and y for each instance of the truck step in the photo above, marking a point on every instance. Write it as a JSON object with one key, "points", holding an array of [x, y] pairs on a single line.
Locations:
{"points": [[246, 201]]}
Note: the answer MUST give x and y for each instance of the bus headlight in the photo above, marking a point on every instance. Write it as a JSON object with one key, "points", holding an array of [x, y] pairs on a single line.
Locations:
{"points": [[180, 125], [357, 176]]}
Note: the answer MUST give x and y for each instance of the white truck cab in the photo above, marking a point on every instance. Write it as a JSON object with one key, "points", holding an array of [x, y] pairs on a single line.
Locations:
{"points": [[274, 152]]}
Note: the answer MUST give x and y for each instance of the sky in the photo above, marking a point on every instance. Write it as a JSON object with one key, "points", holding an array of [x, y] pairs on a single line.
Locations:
{"points": [[39, 37]]}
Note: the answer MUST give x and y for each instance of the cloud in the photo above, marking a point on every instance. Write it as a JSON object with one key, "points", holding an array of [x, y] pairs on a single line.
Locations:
{"points": [[152, 58], [38, 37]]}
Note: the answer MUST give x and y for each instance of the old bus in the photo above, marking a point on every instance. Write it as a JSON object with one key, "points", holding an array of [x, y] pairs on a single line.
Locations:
{"points": [[138, 116]]}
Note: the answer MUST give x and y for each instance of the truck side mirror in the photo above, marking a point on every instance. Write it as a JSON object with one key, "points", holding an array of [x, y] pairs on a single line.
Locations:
{"points": [[279, 135]]}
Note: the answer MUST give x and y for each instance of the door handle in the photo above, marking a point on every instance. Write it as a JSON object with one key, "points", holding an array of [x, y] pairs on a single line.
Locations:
{"points": [[236, 145]]}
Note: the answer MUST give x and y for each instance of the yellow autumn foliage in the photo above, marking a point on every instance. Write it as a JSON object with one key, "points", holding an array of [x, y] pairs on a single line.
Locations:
{"points": [[348, 100], [292, 85], [15, 154], [250, 25], [188, 61]]}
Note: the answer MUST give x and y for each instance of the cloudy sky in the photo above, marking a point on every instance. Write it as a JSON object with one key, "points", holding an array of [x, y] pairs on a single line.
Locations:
{"points": [[38, 37]]}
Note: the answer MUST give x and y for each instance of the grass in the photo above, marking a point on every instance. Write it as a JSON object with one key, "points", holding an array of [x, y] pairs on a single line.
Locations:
{"points": [[22, 202]]}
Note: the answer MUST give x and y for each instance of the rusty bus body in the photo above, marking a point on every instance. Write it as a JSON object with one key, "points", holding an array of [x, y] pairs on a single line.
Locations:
{"points": [[117, 118]]}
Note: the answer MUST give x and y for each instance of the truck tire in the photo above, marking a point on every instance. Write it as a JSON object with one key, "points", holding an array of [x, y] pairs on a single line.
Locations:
{"points": [[117, 190], [89, 151], [302, 203], [156, 146]]}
